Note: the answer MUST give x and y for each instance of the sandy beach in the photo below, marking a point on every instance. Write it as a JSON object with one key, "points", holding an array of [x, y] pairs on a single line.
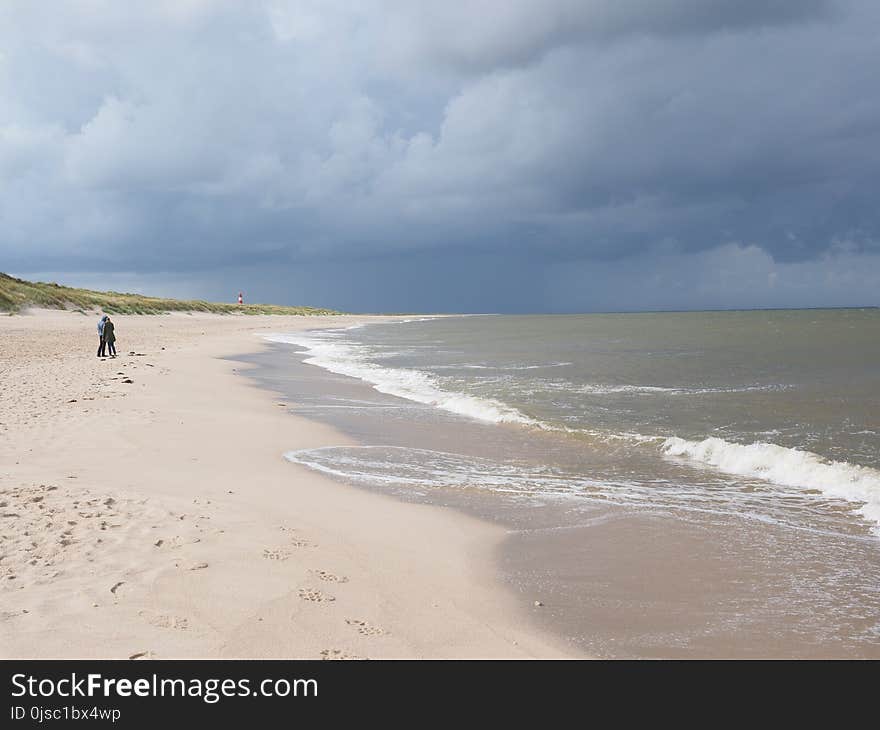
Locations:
{"points": [[147, 511]]}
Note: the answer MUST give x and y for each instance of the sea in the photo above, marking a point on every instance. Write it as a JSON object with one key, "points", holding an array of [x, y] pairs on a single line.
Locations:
{"points": [[688, 484]]}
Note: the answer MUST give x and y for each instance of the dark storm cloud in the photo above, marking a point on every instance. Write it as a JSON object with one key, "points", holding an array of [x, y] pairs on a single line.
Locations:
{"points": [[496, 33], [288, 140]]}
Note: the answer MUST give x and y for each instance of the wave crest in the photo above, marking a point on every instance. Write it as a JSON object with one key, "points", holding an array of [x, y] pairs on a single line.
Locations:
{"points": [[348, 359], [787, 467]]}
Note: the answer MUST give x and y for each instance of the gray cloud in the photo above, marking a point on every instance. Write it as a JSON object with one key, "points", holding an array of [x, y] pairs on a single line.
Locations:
{"points": [[208, 137]]}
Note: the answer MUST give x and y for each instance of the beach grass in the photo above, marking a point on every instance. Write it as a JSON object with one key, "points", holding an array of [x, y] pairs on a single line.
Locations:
{"points": [[18, 294]]}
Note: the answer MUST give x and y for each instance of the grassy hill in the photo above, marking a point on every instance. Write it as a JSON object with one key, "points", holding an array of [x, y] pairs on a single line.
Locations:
{"points": [[17, 294]]}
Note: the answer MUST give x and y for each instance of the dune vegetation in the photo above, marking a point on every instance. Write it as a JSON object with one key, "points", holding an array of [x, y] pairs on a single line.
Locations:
{"points": [[18, 294]]}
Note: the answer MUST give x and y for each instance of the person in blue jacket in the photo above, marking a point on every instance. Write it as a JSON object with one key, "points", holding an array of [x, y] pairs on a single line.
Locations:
{"points": [[102, 344]]}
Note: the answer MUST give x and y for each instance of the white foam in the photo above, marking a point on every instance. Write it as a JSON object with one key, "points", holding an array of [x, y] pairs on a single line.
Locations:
{"points": [[592, 388], [475, 366], [353, 360], [423, 470], [787, 467], [626, 389]]}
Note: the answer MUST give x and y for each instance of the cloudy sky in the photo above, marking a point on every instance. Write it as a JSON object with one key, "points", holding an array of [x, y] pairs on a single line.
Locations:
{"points": [[500, 155]]}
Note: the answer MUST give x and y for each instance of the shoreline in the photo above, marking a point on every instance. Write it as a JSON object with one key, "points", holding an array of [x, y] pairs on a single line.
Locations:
{"points": [[167, 523], [615, 579]]}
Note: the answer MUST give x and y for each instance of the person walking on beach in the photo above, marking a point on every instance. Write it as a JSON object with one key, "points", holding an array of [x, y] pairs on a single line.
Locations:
{"points": [[110, 337], [101, 343]]}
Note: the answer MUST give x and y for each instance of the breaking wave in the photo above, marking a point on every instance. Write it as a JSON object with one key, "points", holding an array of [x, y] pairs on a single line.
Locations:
{"points": [[415, 385], [787, 467]]}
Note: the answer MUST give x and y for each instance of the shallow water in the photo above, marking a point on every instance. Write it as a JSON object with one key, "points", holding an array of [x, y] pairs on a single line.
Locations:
{"points": [[695, 484]]}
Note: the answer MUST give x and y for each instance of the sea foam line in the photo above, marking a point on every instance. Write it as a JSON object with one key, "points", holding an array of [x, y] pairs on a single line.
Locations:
{"points": [[348, 359], [424, 469]]}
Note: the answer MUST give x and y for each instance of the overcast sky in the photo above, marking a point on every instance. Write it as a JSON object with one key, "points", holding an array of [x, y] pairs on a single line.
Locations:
{"points": [[500, 155]]}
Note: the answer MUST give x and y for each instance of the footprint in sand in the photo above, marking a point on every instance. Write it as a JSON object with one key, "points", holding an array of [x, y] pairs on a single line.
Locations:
{"points": [[364, 628], [276, 554], [297, 542], [338, 654], [328, 577], [315, 596], [165, 621]]}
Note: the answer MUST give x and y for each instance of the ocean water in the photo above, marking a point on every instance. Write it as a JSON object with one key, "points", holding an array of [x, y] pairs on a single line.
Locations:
{"points": [[751, 437]]}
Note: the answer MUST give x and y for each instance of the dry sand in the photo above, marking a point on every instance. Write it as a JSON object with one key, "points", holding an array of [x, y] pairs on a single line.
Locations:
{"points": [[157, 517]]}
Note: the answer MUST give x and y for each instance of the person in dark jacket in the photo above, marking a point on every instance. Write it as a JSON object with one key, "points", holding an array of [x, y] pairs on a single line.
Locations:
{"points": [[101, 343], [110, 337]]}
